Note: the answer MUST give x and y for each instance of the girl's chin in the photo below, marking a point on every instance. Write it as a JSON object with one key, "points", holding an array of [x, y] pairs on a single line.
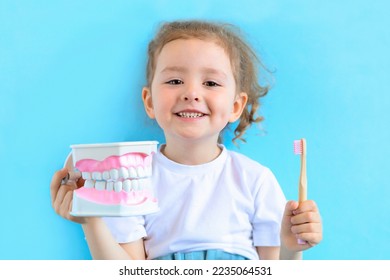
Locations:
{"points": [[192, 138]]}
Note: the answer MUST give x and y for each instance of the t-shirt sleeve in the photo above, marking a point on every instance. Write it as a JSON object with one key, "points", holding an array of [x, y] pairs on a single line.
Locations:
{"points": [[126, 229], [269, 207]]}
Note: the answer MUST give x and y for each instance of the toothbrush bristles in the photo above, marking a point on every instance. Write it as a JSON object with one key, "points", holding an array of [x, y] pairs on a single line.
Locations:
{"points": [[298, 147]]}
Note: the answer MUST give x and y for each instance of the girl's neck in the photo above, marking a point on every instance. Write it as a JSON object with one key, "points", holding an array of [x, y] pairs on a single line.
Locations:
{"points": [[191, 153]]}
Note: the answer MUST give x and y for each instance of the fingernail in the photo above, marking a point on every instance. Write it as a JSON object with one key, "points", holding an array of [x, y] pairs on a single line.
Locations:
{"points": [[301, 242], [64, 180]]}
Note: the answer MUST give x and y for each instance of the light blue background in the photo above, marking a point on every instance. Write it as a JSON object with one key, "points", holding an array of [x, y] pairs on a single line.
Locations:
{"points": [[72, 71]]}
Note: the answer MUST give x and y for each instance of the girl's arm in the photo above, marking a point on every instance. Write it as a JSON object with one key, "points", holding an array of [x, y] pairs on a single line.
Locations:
{"points": [[276, 253], [102, 244], [268, 253], [300, 221]]}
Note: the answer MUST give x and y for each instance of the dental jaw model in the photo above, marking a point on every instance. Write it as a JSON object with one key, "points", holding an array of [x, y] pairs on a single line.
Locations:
{"points": [[117, 179]]}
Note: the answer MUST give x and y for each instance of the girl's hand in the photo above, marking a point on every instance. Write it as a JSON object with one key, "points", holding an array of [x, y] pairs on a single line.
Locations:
{"points": [[301, 221], [62, 195]]}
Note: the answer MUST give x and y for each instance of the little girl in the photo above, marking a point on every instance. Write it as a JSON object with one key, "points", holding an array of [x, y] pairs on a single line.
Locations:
{"points": [[214, 203]]}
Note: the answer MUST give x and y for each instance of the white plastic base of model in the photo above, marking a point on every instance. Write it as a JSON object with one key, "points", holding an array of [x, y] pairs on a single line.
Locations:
{"points": [[86, 208]]}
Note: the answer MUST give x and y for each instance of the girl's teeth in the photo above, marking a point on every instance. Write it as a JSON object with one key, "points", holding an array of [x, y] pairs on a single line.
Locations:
{"points": [[190, 115]]}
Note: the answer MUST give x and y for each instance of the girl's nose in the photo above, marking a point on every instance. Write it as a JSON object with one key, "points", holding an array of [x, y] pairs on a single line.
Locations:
{"points": [[189, 98], [191, 94]]}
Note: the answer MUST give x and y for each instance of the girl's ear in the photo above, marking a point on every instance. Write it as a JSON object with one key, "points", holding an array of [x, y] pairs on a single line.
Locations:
{"points": [[238, 106], [148, 103]]}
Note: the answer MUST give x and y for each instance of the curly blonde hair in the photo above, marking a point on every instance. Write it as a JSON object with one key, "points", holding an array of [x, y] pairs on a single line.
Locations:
{"points": [[243, 59]]}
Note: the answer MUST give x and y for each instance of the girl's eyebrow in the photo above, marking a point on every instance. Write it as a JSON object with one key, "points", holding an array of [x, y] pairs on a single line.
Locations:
{"points": [[174, 69], [214, 71], [206, 70]]}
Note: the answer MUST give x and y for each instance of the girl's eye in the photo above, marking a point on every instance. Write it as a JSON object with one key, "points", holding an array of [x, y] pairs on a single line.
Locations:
{"points": [[175, 82], [211, 84]]}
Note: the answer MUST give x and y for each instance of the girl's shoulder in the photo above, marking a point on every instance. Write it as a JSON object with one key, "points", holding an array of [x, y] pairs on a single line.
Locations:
{"points": [[253, 174], [246, 164]]}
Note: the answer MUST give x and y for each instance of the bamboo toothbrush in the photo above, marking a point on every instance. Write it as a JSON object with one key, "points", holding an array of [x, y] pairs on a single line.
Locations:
{"points": [[300, 149]]}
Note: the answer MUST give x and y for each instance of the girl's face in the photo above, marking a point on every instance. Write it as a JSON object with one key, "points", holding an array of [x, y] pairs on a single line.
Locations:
{"points": [[193, 92]]}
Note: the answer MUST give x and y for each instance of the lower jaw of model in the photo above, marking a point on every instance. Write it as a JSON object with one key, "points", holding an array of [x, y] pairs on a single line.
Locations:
{"points": [[117, 191]]}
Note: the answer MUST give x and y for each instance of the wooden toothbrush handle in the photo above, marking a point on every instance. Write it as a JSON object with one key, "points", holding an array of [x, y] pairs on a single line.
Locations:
{"points": [[302, 190]]}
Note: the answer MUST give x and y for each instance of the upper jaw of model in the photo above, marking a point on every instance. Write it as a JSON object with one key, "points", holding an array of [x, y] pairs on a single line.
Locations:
{"points": [[128, 172]]}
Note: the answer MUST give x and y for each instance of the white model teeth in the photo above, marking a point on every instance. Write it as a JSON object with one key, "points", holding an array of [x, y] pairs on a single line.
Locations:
{"points": [[123, 172], [100, 185], [89, 184], [110, 186], [141, 171], [132, 172], [86, 175], [114, 174], [126, 185], [126, 179], [118, 186], [190, 114], [135, 185], [106, 175], [96, 175]]}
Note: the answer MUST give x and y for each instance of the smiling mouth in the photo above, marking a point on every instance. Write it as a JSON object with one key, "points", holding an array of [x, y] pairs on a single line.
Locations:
{"points": [[190, 115]]}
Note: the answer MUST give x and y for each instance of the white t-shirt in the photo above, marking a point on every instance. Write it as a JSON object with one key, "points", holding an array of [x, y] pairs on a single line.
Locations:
{"points": [[231, 203]]}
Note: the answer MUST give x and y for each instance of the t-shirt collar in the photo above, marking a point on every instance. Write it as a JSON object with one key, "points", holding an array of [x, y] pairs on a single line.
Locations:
{"points": [[175, 167]]}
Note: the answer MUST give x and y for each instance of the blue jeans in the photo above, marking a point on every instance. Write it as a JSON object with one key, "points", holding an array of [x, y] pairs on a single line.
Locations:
{"points": [[202, 255]]}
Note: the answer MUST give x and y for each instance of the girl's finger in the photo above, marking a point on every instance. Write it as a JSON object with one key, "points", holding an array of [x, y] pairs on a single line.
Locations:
{"points": [[307, 228], [56, 183], [306, 206], [312, 239], [307, 217]]}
